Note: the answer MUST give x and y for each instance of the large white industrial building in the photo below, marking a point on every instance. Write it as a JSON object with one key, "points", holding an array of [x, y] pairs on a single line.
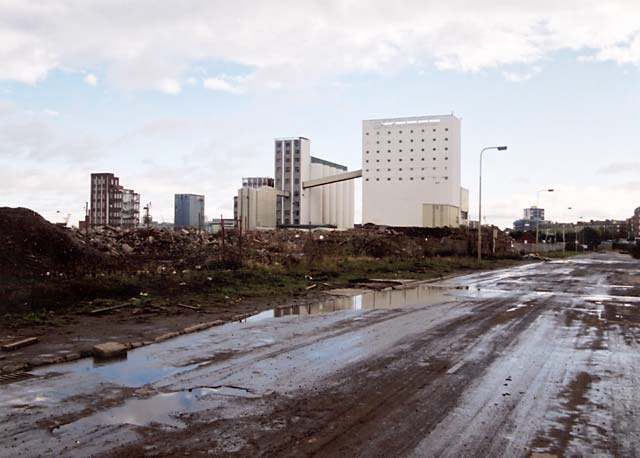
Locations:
{"points": [[326, 205], [411, 172]]}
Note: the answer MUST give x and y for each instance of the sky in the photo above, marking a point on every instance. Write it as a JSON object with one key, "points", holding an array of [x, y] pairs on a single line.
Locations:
{"points": [[187, 97]]}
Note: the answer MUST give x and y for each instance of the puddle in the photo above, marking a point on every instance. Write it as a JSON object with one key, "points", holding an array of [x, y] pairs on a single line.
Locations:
{"points": [[140, 367], [518, 306], [149, 365], [386, 299], [166, 409]]}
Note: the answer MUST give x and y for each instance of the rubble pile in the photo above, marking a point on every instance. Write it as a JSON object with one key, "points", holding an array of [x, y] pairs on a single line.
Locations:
{"points": [[32, 247], [149, 243]]}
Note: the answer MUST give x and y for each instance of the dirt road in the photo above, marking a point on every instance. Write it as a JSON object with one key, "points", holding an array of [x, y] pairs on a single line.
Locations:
{"points": [[539, 360]]}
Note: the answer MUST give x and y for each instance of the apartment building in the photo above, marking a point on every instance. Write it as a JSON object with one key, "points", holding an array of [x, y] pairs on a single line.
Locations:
{"points": [[533, 213], [633, 225], [411, 172], [111, 204], [189, 210]]}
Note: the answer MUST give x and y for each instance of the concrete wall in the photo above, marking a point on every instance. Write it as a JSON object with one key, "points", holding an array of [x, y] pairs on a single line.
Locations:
{"points": [[257, 208], [434, 215], [406, 163], [332, 203], [464, 206], [526, 248]]}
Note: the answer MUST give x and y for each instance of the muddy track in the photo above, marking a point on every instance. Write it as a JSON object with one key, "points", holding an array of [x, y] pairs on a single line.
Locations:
{"points": [[535, 361]]}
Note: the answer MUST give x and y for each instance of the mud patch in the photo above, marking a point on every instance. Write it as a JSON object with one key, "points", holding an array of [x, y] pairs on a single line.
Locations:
{"points": [[574, 400]]}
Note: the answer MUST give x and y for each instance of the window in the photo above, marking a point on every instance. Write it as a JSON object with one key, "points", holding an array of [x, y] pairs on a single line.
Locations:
{"points": [[434, 149], [367, 133], [367, 161], [388, 179], [411, 159], [400, 178], [411, 178], [446, 129], [434, 158], [400, 131], [377, 179], [377, 160], [388, 160], [400, 160], [446, 148], [389, 132], [366, 179], [411, 150], [388, 141], [377, 142], [367, 152], [411, 131], [399, 141], [434, 139], [377, 151], [446, 158], [446, 139], [422, 178], [399, 150]]}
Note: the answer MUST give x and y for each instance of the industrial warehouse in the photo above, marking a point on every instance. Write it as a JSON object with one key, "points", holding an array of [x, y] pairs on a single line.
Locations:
{"points": [[411, 177]]}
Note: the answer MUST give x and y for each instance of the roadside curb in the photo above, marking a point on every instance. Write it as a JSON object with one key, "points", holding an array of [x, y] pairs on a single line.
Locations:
{"points": [[74, 356]]}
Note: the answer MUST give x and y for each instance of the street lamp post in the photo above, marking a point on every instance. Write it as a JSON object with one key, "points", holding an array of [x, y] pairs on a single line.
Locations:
{"points": [[499, 148], [538, 217]]}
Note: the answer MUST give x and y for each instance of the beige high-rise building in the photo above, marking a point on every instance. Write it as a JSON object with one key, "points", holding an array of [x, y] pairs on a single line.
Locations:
{"points": [[411, 172]]}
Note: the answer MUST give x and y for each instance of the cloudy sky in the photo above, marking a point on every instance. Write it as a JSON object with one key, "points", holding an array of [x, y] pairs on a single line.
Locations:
{"points": [[187, 96]]}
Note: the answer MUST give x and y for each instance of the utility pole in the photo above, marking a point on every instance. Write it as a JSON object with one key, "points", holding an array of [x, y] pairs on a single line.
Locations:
{"points": [[499, 148], [222, 230]]}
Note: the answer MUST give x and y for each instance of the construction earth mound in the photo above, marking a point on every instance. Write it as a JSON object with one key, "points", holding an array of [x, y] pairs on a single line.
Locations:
{"points": [[32, 247]]}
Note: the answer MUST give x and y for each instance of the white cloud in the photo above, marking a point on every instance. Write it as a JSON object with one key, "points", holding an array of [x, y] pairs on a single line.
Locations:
{"points": [[303, 41], [518, 77], [616, 168], [51, 113], [219, 84], [168, 86], [91, 79]]}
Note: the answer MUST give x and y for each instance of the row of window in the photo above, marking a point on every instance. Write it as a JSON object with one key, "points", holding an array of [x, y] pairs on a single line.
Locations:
{"points": [[410, 131], [436, 179], [446, 148], [411, 169], [446, 139], [446, 158], [287, 170]]}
